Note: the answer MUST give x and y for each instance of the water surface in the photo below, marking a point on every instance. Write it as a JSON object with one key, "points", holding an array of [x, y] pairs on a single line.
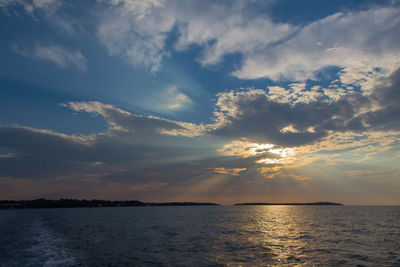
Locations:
{"points": [[202, 236]]}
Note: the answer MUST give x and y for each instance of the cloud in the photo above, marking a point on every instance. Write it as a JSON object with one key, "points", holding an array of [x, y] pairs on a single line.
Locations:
{"points": [[138, 8], [137, 32], [267, 131], [134, 148], [149, 186], [284, 132], [232, 171], [254, 128], [121, 120], [171, 99], [253, 137], [372, 174], [27, 140], [249, 113], [50, 11], [363, 44], [43, 154], [386, 96], [285, 117], [224, 30], [178, 101], [359, 42], [141, 154], [58, 55], [32, 6]]}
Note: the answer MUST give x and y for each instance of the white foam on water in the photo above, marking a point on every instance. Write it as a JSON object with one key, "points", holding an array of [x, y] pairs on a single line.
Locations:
{"points": [[49, 249]]}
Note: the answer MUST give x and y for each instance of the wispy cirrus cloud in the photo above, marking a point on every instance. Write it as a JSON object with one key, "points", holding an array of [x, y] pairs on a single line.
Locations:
{"points": [[169, 100], [227, 30], [32, 6], [140, 125], [58, 55], [136, 31], [139, 8]]}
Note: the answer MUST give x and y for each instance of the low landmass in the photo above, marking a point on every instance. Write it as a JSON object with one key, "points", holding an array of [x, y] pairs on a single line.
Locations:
{"points": [[303, 204], [76, 203]]}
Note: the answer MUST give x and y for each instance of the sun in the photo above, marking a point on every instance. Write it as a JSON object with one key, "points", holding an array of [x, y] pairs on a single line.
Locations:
{"points": [[273, 154]]}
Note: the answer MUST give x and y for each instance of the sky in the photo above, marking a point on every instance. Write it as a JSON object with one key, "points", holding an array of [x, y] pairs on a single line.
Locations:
{"points": [[207, 101]]}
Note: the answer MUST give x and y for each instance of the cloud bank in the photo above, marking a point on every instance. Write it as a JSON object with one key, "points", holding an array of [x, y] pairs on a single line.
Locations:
{"points": [[252, 138], [328, 112]]}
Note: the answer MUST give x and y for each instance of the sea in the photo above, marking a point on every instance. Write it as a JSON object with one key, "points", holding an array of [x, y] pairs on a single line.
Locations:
{"points": [[202, 236]]}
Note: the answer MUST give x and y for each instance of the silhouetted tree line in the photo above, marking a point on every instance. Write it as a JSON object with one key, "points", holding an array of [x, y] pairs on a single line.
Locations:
{"points": [[306, 204], [76, 203]]}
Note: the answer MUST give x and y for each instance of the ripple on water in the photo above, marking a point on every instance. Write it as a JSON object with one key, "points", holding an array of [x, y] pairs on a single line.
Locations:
{"points": [[205, 236], [48, 249]]}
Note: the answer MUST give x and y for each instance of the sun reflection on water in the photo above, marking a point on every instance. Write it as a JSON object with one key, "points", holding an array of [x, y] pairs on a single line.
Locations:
{"points": [[285, 230]]}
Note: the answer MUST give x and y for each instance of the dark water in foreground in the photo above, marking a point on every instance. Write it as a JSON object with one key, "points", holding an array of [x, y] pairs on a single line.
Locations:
{"points": [[201, 236]]}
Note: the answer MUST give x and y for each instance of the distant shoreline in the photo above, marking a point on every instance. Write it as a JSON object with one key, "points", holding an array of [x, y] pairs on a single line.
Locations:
{"points": [[83, 203], [76, 203], [290, 204]]}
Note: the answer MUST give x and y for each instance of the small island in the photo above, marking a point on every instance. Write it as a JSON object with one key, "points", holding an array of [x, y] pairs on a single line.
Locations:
{"points": [[76, 203], [290, 204]]}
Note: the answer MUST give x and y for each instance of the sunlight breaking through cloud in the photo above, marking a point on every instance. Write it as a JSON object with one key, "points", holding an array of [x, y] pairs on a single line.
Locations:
{"points": [[170, 98]]}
